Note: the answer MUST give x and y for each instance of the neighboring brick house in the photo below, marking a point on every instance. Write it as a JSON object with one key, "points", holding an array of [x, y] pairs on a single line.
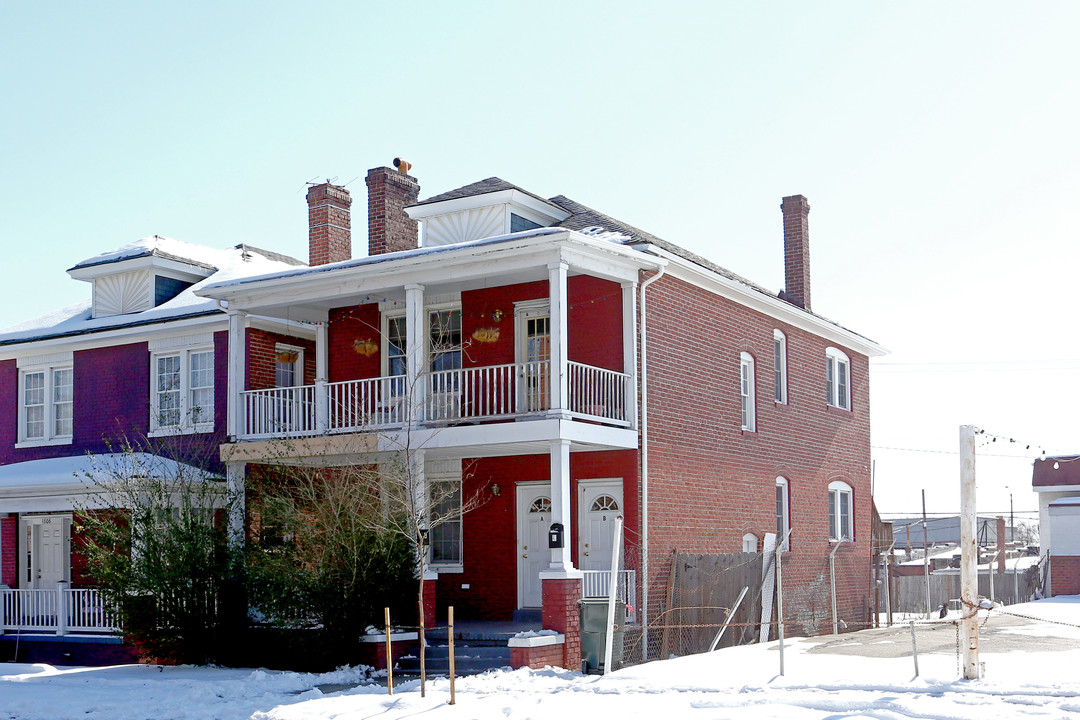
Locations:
{"points": [[144, 359], [572, 369], [1057, 482]]}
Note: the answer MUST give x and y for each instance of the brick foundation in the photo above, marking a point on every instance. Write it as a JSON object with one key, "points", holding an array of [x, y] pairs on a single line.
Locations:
{"points": [[1065, 574]]}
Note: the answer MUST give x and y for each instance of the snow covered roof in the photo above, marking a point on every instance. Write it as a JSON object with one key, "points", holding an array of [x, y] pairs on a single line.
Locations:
{"points": [[158, 246], [227, 264], [36, 474]]}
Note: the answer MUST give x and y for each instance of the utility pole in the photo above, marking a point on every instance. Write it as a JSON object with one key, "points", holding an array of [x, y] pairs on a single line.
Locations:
{"points": [[926, 556], [969, 556]]}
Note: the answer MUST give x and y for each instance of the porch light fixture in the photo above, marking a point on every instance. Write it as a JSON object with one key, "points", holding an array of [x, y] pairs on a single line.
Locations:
{"points": [[495, 490], [365, 347]]}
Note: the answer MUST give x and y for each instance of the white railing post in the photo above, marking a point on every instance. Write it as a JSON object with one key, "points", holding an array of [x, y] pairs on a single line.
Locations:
{"points": [[5, 593], [61, 607], [322, 408]]}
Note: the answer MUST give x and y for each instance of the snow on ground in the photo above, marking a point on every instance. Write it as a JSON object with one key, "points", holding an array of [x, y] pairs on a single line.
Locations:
{"points": [[1031, 673]]}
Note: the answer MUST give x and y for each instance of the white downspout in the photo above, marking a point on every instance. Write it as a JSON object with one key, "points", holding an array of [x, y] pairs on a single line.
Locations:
{"points": [[645, 468]]}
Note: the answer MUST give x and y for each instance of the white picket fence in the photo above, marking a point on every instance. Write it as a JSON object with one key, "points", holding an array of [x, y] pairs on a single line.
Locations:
{"points": [[57, 612]]}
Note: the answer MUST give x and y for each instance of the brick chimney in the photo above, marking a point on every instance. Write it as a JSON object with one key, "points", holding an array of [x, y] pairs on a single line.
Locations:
{"points": [[796, 210], [329, 224], [389, 228]]}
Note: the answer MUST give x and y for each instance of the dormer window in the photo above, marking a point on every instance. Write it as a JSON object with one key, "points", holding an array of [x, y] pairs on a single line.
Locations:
{"points": [[143, 275], [483, 209]]}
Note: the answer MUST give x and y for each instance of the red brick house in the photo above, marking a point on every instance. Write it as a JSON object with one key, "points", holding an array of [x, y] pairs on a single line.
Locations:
{"points": [[571, 369], [1057, 482]]}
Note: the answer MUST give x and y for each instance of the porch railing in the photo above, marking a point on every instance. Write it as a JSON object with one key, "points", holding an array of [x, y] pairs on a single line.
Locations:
{"points": [[58, 612], [596, 583], [490, 392]]}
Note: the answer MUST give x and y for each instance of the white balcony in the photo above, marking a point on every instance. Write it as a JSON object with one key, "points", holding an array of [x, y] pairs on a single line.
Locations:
{"points": [[475, 394]]}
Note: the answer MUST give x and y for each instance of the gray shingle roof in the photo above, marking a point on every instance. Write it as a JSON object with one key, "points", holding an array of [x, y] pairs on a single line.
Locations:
{"points": [[488, 185]]}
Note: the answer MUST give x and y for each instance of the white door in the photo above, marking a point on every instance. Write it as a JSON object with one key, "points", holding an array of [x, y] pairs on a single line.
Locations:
{"points": [[599, 503], [533, 355], [534, 519], [48, 541]]}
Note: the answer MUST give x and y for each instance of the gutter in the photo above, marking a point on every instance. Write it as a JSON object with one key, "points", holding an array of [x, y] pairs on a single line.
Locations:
{"points": [[645, 462]]}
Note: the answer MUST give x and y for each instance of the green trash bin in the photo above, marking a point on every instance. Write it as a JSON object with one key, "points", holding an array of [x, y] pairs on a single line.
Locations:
{"points": [[594, 634]]}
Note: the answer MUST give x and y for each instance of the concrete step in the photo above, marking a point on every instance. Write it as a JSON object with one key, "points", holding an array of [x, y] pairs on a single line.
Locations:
{"points": [[469, 659]]}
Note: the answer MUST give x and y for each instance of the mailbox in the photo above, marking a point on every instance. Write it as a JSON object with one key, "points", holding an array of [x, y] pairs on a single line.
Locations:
{"points": [[555, 536]]}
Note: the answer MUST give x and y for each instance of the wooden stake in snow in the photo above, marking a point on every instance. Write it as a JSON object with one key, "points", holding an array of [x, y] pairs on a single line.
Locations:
{"points": [[450, 633], [389, 655]]}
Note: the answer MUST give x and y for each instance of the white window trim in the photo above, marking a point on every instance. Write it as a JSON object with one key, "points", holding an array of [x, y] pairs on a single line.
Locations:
{"points": [[448, 475], [747, 399], [836, 396], [50, 407], [781, 482], [780, 379], [840, 492], [750, 540], [298, 363], [384, 331], [186, 427]]}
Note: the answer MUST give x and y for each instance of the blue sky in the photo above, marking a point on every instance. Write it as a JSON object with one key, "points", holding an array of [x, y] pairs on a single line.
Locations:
{"points": [[936, 143]]}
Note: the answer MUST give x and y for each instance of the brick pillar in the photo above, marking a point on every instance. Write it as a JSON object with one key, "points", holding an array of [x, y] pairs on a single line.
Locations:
{"points": [[389, 228], [329, 224], [562, 612], [1001, 544], [796, 211], [429, 599]]}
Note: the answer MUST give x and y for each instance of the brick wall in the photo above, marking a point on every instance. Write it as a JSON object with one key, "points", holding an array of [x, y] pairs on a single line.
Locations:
{"points": [[9, 550], [490, 531], [261, 358], [347, 325], [711, 482], [1065, 574]]}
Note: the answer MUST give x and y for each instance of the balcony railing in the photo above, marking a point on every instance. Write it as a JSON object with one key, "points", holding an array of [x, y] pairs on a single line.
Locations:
{"points": [[493, 392], [58, 612], [596, 583]]}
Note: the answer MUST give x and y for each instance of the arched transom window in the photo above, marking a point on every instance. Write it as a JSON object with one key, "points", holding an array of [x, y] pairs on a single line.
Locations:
{"points": [[604, 502]]}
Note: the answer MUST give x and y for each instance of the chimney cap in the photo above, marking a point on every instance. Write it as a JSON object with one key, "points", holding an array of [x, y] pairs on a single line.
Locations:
{"points": [[402, 165]]}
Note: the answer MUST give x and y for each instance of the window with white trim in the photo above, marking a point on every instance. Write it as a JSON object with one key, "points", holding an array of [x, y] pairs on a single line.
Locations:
{"points": [[840, 511], [746, 391], [837, 379], [749, 543], [46, 404], [779, 367], [182, 390], [288, 365], [445, 533], [782, 513]]}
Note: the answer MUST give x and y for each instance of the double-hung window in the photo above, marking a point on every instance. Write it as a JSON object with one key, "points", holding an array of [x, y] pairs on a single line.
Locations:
{"points": [[445, 535], [46, 404], [779, 367], [840, 507], [837, 379], [746, 391], [182, 390]]}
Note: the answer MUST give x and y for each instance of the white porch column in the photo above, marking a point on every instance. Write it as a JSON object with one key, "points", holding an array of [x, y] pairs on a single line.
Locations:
{"points": [[560, 502], [236, 374], [629, 342], [322, 371], [236, 493], [416, 351], [560, 402]]}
